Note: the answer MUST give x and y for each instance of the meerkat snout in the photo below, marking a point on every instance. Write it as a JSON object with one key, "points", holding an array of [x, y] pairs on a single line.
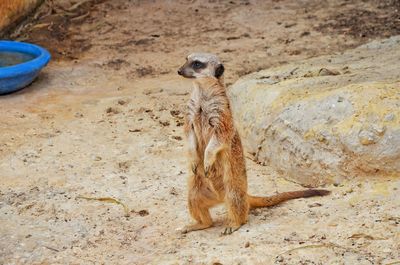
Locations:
{"points": [[202, 65]]}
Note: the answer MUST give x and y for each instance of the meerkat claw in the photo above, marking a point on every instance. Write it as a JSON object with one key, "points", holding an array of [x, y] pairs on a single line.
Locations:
{"points": [[229, 230], [206, 171], [194, 169]]}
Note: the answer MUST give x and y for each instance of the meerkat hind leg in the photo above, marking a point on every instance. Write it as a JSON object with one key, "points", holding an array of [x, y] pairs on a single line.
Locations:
{"points": [[203, 218], [238, 208], [233, 225], [199, 203]]}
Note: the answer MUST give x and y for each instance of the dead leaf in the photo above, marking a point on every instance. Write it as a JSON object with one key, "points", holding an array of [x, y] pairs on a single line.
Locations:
{"points": [[41, 25], [394, 263], [327, 245], [107, 199], [362, 235]]}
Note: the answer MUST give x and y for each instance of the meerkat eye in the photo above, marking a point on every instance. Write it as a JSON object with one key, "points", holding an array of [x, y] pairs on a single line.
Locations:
{"points": [[197, 65]]}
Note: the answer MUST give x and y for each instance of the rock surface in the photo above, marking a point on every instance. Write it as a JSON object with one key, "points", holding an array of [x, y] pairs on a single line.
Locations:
{"points": [[325, 119]]}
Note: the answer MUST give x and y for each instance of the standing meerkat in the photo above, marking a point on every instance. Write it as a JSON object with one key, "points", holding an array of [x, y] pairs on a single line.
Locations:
{"points": [[217, 164]]}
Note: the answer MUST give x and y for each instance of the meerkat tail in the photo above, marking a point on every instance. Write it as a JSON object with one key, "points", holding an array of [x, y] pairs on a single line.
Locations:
{"points": [[256, 202]]}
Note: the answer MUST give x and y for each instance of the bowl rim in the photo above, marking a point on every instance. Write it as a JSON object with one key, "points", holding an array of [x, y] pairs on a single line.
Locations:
{"points": [[42, 57]]}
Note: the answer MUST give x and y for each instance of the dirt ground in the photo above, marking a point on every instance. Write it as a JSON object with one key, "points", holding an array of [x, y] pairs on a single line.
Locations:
{"points": [[104, 120]]}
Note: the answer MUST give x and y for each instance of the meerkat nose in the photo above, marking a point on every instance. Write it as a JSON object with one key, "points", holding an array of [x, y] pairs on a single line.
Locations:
{"points": [[179, 72]]}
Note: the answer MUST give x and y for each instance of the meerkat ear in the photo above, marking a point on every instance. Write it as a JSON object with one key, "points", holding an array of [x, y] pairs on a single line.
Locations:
{"points": [[219, 70]]}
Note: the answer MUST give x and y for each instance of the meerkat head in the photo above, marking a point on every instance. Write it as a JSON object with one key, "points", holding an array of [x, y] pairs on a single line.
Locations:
{"points": [[202, 65]]}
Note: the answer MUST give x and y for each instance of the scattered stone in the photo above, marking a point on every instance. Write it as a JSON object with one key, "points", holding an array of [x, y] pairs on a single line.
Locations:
{"points": [[143, 212], [348, 191], [122, 101], [289, 25], [112, 110], [294, 52], [316, 204], [325, 72], [164, 123], [304, 33], [175, 113], [97, 158], [279, 258], [173, 191], [124, 166]]}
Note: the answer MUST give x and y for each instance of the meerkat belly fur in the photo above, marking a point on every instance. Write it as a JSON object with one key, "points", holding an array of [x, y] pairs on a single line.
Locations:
{"points": [[217, 164]]}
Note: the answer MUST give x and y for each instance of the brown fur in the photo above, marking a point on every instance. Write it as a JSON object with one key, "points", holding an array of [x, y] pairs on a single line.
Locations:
{"points": [[217, 164]]}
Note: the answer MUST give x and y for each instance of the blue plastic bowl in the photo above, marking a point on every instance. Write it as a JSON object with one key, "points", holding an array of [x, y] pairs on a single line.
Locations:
{"points": [[18, 76]]}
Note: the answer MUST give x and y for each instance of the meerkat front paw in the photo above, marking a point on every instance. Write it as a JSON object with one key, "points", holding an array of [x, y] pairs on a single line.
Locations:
{"points": [[206, 170], [209, 160]]}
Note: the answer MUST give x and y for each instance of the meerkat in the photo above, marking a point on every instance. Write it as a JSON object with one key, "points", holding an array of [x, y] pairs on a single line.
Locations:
{"points": [[217, 163]]}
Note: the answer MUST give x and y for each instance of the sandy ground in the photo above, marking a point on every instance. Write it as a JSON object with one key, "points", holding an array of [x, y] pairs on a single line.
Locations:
{"points": [[104, 120]]}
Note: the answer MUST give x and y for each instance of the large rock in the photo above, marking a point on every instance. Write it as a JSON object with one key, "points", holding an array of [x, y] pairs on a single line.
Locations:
{"points": [[12, 11], [325, 119]]}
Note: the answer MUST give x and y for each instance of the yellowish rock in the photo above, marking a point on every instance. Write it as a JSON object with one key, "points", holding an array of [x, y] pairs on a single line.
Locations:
{"points": [[321, 128]]}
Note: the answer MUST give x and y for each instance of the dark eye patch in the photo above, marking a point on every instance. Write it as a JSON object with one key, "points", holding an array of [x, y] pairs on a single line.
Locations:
{"points": [[198, 65]]}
